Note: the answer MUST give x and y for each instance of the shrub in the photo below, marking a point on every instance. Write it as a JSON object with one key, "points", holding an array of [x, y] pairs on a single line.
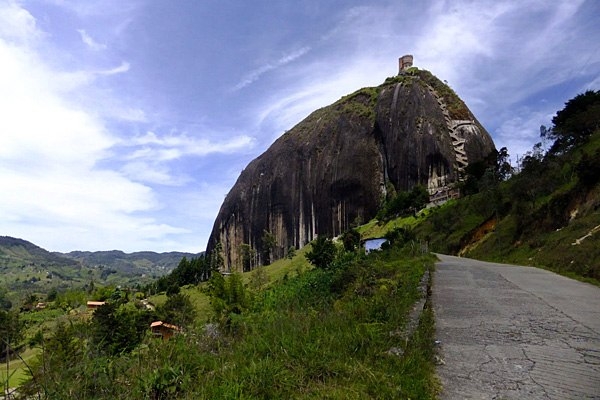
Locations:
{"points": [[323, 253]]}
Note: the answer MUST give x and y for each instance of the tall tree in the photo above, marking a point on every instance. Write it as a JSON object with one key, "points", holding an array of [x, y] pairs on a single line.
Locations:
{"points": [[576, 121], [178, 310], [216, 260], [269, 242], [11, 329], [247, 255]]}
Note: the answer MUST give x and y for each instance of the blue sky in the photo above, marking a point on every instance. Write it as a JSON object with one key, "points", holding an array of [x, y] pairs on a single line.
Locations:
{"points": [[123, 124]]}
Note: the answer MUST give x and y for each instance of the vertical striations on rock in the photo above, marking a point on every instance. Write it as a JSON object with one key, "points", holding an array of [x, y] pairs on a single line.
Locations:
{"points": [[332, 168]]}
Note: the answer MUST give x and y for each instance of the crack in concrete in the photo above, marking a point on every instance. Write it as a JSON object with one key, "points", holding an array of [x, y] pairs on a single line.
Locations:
{"points": [[502, 340], [533, 364]]}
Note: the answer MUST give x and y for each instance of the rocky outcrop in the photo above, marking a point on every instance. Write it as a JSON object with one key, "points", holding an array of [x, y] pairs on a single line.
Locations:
{"points": [[334, 167]]}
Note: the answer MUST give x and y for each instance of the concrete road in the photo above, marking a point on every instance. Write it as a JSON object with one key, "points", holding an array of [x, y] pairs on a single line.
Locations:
{"points": [[510, 332]]}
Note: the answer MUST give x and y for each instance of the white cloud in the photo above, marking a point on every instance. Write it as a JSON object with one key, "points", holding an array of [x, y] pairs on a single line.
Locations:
{"points": [[253, 76], [95, 139], [152, 172], [124, 67], [152, 155], [39, 125], [495, 54], [17, 24], [57, 194], [171, 147], [521, 130], [91, 43]]}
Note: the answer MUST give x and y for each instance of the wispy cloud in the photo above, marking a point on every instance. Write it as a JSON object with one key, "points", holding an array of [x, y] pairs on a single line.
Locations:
{"points": [[520, 130], [92, 119], [124, 67], [254, 75], [501, 43], [91, 43], [171, 146], [152, 155]]}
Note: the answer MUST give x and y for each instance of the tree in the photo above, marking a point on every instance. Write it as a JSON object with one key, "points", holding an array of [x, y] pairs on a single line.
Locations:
{"points": [[215, 258], [502, 168], [269, 242], [5, 303], [228, 297], [52, 294], [403, 203], [259, 278], [178, 310], [399, 237], [247, 255], [291, 252], [91, 287], [323, 252], [351, 240], [576, 121], [588, 169], [115, 330], [11, 329]]}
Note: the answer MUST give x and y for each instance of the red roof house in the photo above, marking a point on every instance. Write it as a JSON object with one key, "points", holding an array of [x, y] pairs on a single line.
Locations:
{"points": [[163, 329]]}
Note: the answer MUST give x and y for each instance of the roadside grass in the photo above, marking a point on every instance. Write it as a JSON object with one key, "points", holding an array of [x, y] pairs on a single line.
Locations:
{"points": [[319, 334], [552, 250]]}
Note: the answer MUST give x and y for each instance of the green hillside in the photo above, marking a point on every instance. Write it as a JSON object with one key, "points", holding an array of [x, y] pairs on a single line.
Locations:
{"points": [[30, 272], [340, 329], [547, 214]]}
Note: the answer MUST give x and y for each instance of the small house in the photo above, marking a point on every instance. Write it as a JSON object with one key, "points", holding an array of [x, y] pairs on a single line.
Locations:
{"points": [[92, 305], [163, 329]]}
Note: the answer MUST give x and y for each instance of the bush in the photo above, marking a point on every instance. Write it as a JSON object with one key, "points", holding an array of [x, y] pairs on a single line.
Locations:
{"points": [[351, 240], [323, 253]]}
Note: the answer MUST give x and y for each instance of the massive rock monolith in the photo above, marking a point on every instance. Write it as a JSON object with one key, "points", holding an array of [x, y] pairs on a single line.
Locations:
{"points": [[334, 167]]}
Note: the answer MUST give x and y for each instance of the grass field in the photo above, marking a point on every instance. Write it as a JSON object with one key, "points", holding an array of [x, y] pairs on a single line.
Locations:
{"points": [[17, 370]]}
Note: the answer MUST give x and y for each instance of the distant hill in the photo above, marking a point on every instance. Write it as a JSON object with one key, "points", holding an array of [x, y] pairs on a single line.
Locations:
{"points": [[131, 264], [27, 268], [16, 252]]}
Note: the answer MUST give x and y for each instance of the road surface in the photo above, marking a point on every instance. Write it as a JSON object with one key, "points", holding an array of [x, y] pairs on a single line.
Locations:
{"points": [[509, 332]]}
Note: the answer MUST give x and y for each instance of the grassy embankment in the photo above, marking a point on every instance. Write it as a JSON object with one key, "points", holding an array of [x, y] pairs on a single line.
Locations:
{"points": [[307, 333], [547, 216], [318, 334]]}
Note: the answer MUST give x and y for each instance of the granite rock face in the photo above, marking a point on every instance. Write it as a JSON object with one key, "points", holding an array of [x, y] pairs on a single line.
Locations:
{"points": [[332, 169]]}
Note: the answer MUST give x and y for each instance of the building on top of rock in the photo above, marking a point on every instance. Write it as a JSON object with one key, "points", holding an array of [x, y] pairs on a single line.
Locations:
{"points": [[405, 62]]}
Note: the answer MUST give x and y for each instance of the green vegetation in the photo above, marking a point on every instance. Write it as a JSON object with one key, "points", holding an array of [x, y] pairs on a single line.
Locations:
{"points": [[268, 244], [361, 103], [545, 215], [188, 272], [403, 203], [323, 253], [456, 107], [281, 331]]}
